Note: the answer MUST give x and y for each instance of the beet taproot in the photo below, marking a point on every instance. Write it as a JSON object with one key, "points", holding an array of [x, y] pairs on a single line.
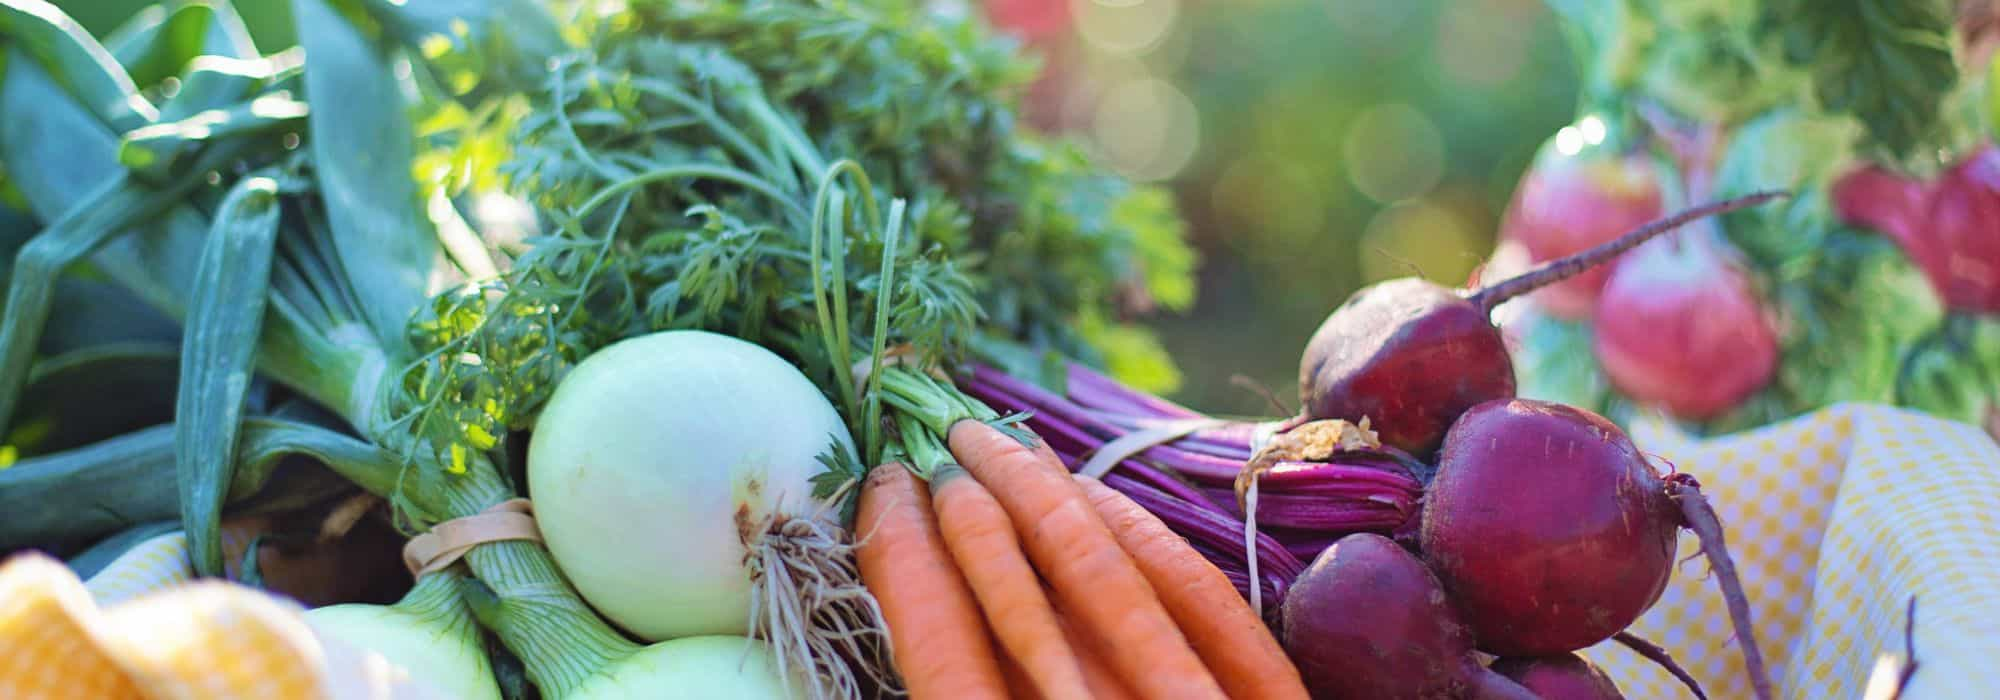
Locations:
{"points": [[1368, 620], [1680, 327], [1412, 355], [1559, 677], [1552, 532], [1945, 224]]}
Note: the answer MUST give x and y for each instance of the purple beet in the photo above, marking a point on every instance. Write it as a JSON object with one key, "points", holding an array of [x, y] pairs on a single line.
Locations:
{"points": [[1412, 355], [1560, 677], [1367, 620], [1552, 532]]}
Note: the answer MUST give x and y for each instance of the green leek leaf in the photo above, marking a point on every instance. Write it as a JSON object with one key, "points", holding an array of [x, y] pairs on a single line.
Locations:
{"points": [[103, 487], [93, 393], [504, 43], [363, 144], [213, 82], [110, 205], [218, 351], [76, 60], [159, 43], [156, 152]]}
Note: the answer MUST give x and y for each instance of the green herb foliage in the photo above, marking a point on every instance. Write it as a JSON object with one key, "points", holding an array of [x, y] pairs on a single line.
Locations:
{"points": [[1887, 62], [830, 180]]}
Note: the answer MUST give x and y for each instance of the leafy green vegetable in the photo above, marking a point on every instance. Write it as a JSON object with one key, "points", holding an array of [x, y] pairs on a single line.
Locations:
{"points": [[90, 310], [107, 485], [334, 313], [503, 45], [73, 60], [1954, 372], [1704, 61], [64, 406], [225, 317], [215, 83], [1887, 62], [93, 211], [31, 287], [1788, 149], [155, 152], [362, 145], [159, 42], [691, 160]]}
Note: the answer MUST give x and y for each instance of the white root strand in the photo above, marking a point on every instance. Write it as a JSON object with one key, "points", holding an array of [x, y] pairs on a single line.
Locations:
{"points": [[809, 603]]}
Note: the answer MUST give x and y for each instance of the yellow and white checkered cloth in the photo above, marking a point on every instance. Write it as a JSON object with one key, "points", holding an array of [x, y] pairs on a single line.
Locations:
{"points": [[1835, 519], [143, 630]]}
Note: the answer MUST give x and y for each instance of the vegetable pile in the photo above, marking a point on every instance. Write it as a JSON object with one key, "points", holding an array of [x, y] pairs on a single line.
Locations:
{"points": [[751, 349], [1873, 284], [1524, 529]]}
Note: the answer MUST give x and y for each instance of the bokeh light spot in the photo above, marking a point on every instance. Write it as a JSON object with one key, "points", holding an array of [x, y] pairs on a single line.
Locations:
{"points": [[1569, 140], [1124, 26], [1482, 43], [1275, 200], [1417, 236], [1148, 128], [1393, 152], [1592, 129]]}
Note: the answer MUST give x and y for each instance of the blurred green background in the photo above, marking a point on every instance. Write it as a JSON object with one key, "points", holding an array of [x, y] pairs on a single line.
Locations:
{"points": [[1315, 145]]}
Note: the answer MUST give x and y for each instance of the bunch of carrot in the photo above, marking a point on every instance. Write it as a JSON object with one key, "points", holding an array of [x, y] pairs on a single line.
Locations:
{"points": [[1005, 576]]}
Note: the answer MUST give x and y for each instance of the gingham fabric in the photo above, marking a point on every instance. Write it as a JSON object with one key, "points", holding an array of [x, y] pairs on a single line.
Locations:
{"points": [[152, 565], [155, 564], [169, 638], [1835, 519]]}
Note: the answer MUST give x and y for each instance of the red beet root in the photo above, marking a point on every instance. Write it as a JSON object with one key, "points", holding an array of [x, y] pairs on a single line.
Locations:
{"points": [[1680, 327], [1531, 525], [1412, 355], [1423, 355], [1960, 245], [1950, 227], [1560, 677], [1568, 203], [1552, 533], [1878, 199], [1367, 620]]}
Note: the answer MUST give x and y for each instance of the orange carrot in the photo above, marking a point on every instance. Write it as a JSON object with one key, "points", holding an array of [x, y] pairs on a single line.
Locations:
{"points": [[1235, 645], [1097, 673], [1092, 576], [1018, 684], [982, 541], [939, 640]]}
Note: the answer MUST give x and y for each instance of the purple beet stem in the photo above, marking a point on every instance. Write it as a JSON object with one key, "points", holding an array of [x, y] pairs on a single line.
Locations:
{"points": [[1069, 440], [1564, 268], [1305, 508], [1088, 383], [997, 388], [1227, 445], [1219, 535]]}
